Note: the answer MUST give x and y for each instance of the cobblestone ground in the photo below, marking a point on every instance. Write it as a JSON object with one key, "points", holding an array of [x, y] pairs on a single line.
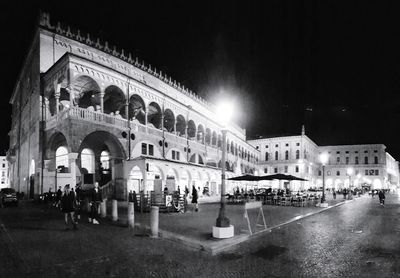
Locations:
{"points": [[357, 239]]}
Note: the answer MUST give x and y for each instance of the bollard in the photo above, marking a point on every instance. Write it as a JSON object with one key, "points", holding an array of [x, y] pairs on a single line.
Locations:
{"points": [[154, 222], [114, 205], [103, 208], [131, 215]]}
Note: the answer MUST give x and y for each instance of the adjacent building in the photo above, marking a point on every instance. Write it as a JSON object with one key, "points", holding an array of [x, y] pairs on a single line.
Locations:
{"points": [[4, 180], [349, 166]]}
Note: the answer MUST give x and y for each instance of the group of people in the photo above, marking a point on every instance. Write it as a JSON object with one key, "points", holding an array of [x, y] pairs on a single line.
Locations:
{"points": [[71, 204]]}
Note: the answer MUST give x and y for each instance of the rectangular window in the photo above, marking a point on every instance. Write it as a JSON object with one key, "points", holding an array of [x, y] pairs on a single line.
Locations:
{"points": [[275, 170], [287, 145], [173, 154], [356, 152], [297, 168], [338, 159], [337, 152], [297, 144], [266, 146], [319, 173], [151, 149], [375, 151], [3, 174], [178, 154], [365, 151], [356, 160], [366, 172], [286, 168], [4, 165], [144, 148], [376, 172], [347, 160], [276, 145], [337, 173], [347, 151], [265, 170]]}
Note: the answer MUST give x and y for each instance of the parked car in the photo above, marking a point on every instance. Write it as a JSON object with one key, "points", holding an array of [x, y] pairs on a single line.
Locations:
{"points": [[8, 195]]}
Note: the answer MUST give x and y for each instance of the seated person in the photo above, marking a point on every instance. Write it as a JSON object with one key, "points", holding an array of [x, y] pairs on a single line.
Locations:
{"points": [[118, 115], [90, 108]]}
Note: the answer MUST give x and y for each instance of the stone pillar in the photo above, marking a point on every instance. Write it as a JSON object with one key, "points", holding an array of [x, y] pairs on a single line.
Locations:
{"points": [[145, 117], [131, 215], [103, 208], [114, 206], [154, 221], [101, 101], [72, 164]]}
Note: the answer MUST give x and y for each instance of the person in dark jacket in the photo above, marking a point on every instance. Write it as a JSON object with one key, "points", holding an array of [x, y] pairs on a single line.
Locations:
{"points": [[381, 198], [195, 196], [58, 197], [68, 205], [96, 199]]}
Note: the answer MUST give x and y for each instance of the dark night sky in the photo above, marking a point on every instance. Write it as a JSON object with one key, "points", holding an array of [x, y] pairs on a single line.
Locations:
{"points": [[331, 65]]}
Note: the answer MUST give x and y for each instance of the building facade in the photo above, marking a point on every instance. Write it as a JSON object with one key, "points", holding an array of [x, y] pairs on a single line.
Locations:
{"points": [[349, 166], [4, 176], [82, 111]]}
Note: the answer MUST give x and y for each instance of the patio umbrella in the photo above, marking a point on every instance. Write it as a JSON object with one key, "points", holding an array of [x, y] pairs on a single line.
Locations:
{"points": [[246, 178], [294, 178], [281, 177]]}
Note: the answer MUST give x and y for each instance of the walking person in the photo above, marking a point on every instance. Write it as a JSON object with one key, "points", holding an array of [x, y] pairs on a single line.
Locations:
{"points": [[96, 199], [58, 197], [68, 206], [334, 194], [195, 196], [381, 198]]}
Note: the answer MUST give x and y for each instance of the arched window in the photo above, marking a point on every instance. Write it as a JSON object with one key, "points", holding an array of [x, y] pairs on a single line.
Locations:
{"points": [[366, 160], [376, 160], [266, 156], [276, 155], [87, 160], [297, 154], [286, 155], [62, 157], [105, 160]]}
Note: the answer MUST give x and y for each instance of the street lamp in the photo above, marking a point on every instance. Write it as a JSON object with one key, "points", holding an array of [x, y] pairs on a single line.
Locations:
{"points": [[349, 173], [223, 229], [323, 158]]}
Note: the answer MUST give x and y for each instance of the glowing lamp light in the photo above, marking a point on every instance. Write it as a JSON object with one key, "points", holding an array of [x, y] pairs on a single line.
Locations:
{"points": [[358, 176], [323, 158], [224, 112], [349, 171]]}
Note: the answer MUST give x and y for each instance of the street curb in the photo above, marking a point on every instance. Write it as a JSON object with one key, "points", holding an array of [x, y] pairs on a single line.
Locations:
{"points": [[214, 246]]}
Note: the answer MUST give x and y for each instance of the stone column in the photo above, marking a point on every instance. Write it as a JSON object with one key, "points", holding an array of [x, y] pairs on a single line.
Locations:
{"points": [[101, 101], [72, 164], [57, 96]]}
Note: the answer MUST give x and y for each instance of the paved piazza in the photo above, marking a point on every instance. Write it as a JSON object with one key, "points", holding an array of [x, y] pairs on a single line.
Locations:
{"points": [[356, 239]]}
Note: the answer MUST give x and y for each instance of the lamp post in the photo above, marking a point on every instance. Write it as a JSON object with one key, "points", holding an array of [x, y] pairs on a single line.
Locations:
{"points": [[349, 173], [323, 158], [223, 229]]}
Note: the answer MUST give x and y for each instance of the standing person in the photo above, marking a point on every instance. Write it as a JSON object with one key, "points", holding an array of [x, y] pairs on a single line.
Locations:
{"points": [[195, 196], [58, 197], [381, 198], [78, 193], [97, 198], [67, 206], [334, 194]]}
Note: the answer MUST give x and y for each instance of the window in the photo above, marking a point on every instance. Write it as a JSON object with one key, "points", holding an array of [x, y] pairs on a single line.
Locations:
{"points": [[297, 144], [150, 149], [4, 165], [266, 156], [88, 160], [286, 155], [276, 155], [337, 173], [347, 151], [356, 152], [297, 154], [175, 155], [365, 151], [366, 160], [266, 146], [376, 160], [105, 160], [287, 145], [357, 172], [366, 172], [356, 160], [338, 159], [376, 172], [276, 170], [257, 147], [319, 173], [3, 174], [375, 151], [297, 168], [265, 170], [286, 168], [347, 160], [276, 145], [337, 152]]}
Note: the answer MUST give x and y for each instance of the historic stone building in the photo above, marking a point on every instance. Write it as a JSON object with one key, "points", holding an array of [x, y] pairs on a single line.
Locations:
{"points": [[83, 111], [349, 166], [4, 176]]}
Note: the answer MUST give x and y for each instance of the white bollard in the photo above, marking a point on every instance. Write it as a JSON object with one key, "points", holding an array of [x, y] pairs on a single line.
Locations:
{"points": [[114, 205], [131, 215], [154, 221], [103, 209]]}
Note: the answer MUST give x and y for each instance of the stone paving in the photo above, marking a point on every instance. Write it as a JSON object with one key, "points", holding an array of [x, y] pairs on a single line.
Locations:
{"points": [[356, 239]]}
